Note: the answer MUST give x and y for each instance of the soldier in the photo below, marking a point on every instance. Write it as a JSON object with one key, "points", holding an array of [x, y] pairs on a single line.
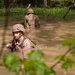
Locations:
{"points": [[31, 20], [19, 44]]}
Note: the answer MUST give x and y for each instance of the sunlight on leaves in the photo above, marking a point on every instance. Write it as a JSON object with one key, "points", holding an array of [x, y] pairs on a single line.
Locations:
{"points": [[67, 63], [67, 42], [73, 52], [59, 57], [34, 54], [11, 61]]}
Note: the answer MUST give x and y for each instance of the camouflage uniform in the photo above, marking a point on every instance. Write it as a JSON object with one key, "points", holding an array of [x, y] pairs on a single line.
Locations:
{"points": [[22, 47], [31, 20]]}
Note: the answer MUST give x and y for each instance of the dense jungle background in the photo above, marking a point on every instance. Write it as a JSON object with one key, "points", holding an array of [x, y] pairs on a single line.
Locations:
{"points": [[57, 23]]}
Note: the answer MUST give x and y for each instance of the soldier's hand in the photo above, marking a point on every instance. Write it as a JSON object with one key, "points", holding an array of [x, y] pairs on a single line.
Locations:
{"points": [[8, 45], [18, 48]]}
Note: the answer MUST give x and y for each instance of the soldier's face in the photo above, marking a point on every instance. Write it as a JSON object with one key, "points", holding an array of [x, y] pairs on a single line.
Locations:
{"points": [[17, 35]]}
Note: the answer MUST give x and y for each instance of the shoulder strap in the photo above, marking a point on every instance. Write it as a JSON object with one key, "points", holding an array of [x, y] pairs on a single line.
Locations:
{"points": [[32, 43]]}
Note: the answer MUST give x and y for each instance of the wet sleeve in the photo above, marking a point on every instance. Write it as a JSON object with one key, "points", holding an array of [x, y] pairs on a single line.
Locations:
{"points": [[9, 44], [27, 47], [25, 20], [37, 22]]}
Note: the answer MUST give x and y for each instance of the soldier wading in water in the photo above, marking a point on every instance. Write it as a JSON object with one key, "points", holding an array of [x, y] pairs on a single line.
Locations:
{"points": [[31, 20], [20, 44]]}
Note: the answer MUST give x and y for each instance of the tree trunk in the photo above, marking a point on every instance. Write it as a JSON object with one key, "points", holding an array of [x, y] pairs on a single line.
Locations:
{"points": [[36, 3], [45, 3]]}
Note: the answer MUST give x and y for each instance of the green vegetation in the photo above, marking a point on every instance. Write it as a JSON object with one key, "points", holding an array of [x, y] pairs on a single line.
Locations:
{"points": [[35, 65], [66, 58], [41, 12]]}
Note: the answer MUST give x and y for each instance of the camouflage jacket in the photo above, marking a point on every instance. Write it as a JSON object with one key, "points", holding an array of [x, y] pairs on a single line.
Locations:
{"points": [[32, 21], [21, 49]]}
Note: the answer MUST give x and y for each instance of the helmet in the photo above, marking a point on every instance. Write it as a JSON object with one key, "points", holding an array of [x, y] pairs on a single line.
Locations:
{"points": [[30, 11], [18, 27]]}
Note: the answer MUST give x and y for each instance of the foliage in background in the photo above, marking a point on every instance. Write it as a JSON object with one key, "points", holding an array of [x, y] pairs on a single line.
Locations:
{"points": [[37, 3], [41, 12]]}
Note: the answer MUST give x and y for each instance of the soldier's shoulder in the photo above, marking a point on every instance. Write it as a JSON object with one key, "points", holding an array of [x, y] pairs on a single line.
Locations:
{"points": [[26, 16], [26, 41], [29, 42], [35, 15]]}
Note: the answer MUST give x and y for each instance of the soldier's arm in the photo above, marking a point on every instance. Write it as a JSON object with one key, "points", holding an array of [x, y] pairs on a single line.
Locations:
{"points": [[27, 47], [37, 22], [9, 45], [26, 21]]}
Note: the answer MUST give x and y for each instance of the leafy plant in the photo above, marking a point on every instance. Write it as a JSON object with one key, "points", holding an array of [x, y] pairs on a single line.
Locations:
{"points": [[19, 13], [35, 65], [67, 62], [11, 61], [66, 58]]}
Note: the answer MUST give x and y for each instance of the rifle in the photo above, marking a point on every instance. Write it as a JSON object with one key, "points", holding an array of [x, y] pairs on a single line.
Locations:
{"points": [[14, 43]]}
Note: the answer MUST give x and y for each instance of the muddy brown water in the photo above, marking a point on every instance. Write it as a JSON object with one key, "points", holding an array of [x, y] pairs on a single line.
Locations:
{"points": [[48, 39]]}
